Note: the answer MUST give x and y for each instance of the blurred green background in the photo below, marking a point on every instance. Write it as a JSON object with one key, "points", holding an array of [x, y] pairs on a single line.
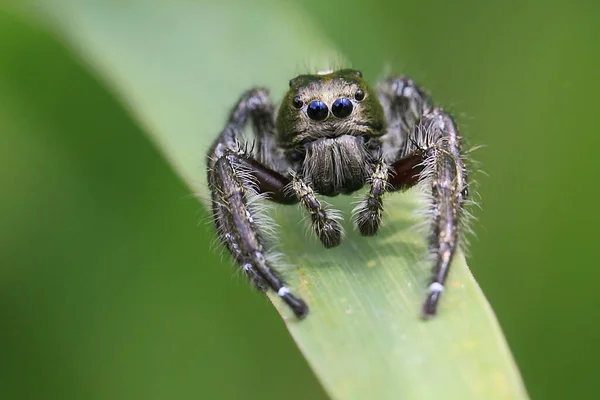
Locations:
{"points": [[108, 289]]}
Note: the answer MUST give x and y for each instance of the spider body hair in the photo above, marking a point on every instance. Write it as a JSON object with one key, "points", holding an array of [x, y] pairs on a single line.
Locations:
{"points": [[334, 134]]}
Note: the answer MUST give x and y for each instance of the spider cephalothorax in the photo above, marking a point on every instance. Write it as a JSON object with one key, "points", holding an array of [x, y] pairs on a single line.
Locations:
{"points": [[334, 134], [326, 121]]}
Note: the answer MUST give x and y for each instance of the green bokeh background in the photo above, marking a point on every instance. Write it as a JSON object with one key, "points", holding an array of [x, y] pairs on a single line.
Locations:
{"points": [[108, 289]]}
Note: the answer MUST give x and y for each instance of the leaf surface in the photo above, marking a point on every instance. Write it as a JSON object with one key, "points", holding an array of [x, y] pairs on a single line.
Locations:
{"points": [[178, 68]]}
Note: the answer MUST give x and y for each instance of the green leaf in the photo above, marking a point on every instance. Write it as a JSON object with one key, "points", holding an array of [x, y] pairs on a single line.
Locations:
{"points": [[178, 68]]}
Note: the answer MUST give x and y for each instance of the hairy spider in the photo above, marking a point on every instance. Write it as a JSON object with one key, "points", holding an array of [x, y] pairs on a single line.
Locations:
{"points": [[334, 134]]}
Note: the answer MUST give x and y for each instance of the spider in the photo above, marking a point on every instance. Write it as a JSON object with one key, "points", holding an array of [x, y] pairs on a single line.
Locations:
{"points": [[333, 134]]}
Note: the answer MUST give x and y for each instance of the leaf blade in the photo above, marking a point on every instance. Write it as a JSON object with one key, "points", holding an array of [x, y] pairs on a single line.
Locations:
{"points": [[364, 336]]}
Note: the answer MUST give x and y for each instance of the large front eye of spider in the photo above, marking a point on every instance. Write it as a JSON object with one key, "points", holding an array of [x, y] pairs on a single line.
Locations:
{"points": [[317, 110], [342, 107]]}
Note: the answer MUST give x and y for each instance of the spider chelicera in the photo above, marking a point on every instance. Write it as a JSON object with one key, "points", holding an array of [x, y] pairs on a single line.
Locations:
{"points": [[334, 134]]}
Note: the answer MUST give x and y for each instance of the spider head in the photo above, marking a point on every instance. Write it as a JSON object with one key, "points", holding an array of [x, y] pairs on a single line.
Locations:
{"points": [[328, 105], [323, 125]]}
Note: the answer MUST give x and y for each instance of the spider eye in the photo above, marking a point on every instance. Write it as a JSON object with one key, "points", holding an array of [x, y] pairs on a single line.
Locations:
{"points": [[297, 103], [317, 110], [359, 95], [358, 74], [342, 107]]}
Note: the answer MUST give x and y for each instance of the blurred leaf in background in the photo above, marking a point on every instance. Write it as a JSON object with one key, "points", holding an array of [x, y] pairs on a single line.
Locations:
{"points": [[108, 288], [100, 291]]}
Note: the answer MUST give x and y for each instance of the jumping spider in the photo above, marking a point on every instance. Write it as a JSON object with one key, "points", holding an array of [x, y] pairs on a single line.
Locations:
{"points": [[334, 134]]}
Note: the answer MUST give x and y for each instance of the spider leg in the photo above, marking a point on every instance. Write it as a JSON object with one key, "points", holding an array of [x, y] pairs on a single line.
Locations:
{"points": [[235, 180], [404, 103], [422, 145], [437, 162], [446, 172], [269, 182], [400, 175], [368, 212], [325, 224]]}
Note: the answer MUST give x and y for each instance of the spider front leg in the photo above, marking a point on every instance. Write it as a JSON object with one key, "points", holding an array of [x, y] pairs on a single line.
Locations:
{"points": [[235, 180], [404, 103], [442, 169], [434, 160], [424, 146], [324, 223], [367, 214], [403, 174]]}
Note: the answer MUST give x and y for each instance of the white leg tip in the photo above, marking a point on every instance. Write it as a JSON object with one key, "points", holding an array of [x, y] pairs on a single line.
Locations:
{"points": [[436, 287], [283, 291]]}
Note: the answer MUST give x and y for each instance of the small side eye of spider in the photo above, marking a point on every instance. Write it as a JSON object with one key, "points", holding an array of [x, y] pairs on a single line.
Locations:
{"points": [[297, 102], [359, 95], [334, 134]]}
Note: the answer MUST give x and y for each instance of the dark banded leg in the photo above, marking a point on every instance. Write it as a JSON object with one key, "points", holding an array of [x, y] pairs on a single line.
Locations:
{"points": [[326, 227], [429, 151], [401, 175], [238, 232], [367, 213], [439, 164], [446, 171], [235, 178], [404, 102]]}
